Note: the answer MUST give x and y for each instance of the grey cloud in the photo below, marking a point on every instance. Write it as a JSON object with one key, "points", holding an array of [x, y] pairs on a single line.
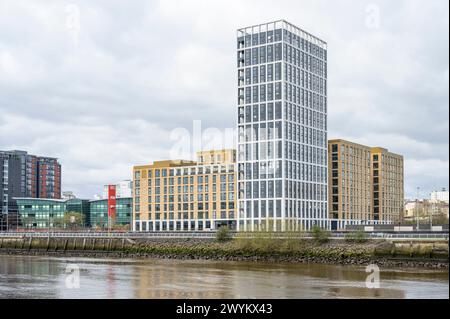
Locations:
{"points": [[109, 98]]}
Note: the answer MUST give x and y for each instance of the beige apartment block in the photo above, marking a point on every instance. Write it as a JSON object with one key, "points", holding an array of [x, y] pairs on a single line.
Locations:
{"points": [[388, 185], [186, 195], [365, 183], [217, 157]]}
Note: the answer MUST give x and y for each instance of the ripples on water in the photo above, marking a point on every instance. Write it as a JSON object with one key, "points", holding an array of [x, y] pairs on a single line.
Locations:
{"points": [[45, 277]]}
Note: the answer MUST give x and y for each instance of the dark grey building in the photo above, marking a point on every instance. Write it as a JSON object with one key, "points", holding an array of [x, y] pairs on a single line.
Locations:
{"points": [[12, 185], [26, 176]]}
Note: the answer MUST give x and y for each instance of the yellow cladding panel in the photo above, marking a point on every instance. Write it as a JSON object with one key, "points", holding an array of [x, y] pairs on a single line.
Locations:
{"points": [[217, 157]]}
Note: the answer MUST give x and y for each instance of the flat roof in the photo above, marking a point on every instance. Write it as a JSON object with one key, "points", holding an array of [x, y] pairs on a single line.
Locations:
{"points": [[377, 149], [348, 142], [179, 163], [166, 164], [105, 199], [42, 199], [283, 24]]}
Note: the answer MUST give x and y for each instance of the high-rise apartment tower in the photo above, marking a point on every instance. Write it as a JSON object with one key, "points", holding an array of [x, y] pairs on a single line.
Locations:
{"points": [[282, 128]]}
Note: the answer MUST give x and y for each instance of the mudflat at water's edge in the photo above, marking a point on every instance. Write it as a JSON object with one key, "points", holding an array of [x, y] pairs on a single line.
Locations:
{"points": [[46, 277], [392, 254]]}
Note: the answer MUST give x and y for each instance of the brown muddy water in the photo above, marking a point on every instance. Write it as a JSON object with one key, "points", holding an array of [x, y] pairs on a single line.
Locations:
{"points": [[55, 277]]}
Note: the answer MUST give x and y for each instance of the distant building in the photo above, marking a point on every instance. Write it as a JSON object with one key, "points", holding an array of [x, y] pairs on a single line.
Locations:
{"points": [[123, 189], [426, 210], [25, 175], [68, 195], [410, 209], [365, 184], [440, 196]]}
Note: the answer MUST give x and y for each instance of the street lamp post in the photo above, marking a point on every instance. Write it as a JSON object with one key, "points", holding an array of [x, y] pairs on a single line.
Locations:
{"points": [[417, 208], [433, 208]]}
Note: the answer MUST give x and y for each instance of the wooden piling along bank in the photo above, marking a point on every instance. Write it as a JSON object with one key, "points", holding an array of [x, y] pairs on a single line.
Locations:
{"points": [[49, 244]]}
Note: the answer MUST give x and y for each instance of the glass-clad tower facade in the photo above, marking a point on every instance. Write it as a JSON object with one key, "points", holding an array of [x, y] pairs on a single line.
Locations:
{"points": [[282, 128]]}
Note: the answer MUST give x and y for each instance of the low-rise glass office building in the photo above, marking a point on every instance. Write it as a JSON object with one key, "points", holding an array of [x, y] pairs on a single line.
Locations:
{"points": [[99, 212], [40, 213]]}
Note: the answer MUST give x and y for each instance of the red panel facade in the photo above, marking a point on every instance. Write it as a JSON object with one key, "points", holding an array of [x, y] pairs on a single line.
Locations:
{"points": [[57, 187], [111, 202]]}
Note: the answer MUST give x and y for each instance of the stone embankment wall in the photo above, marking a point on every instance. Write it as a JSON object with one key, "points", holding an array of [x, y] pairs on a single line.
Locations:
{"points": [[411, 254]]}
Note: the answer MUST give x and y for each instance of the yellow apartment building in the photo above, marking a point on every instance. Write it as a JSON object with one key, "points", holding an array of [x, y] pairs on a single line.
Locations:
{"points": [[388, 185], [186, 195], [365, 184]]}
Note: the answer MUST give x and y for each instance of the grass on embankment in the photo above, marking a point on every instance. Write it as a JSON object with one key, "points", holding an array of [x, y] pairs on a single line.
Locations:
{"points": [[260, 246], [292, 246]]}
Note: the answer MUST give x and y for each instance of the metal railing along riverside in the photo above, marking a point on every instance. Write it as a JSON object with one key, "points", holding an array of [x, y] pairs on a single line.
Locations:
{"points": [[212, 234]]}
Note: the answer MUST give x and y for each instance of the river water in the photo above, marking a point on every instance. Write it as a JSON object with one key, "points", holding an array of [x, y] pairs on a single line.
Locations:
{"points": [[48, 277]]}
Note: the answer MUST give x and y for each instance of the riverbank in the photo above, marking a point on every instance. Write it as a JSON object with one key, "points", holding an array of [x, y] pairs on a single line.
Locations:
{"points": [[386, 254]]}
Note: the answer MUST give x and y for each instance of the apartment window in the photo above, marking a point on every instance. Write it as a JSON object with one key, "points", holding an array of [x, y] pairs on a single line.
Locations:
{"points": [[278, 110], [255, 75], [278, 71], [262, 73], [270, 53], [255, 113], [270, 73], [270, 111], [278, 50], [262, 112]]}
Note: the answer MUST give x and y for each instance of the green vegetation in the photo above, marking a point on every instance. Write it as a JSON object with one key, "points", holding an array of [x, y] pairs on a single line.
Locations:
{"points": [[320, 235], [223, 234], [440, 219], [73, 220], [358, 236]]}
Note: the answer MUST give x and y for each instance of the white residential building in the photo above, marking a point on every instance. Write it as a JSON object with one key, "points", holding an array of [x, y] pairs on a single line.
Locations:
{"points": [[439, 196], [282, 128], [123, 189]]}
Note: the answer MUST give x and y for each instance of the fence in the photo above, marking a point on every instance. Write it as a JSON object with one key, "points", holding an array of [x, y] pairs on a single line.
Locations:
{"points": [[206, 235]]}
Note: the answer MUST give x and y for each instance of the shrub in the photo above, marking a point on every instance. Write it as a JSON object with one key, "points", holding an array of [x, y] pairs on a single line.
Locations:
{"points": [[358, 237], [223, 234], [320, 235]]}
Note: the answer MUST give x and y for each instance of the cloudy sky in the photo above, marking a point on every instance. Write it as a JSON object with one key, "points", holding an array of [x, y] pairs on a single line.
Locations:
{"points": [[103, 85]]}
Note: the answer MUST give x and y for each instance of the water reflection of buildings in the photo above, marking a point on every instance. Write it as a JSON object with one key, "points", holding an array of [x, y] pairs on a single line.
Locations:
{"points": [[200, 280], [19, 271], [111, 280], [164, 280]]}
